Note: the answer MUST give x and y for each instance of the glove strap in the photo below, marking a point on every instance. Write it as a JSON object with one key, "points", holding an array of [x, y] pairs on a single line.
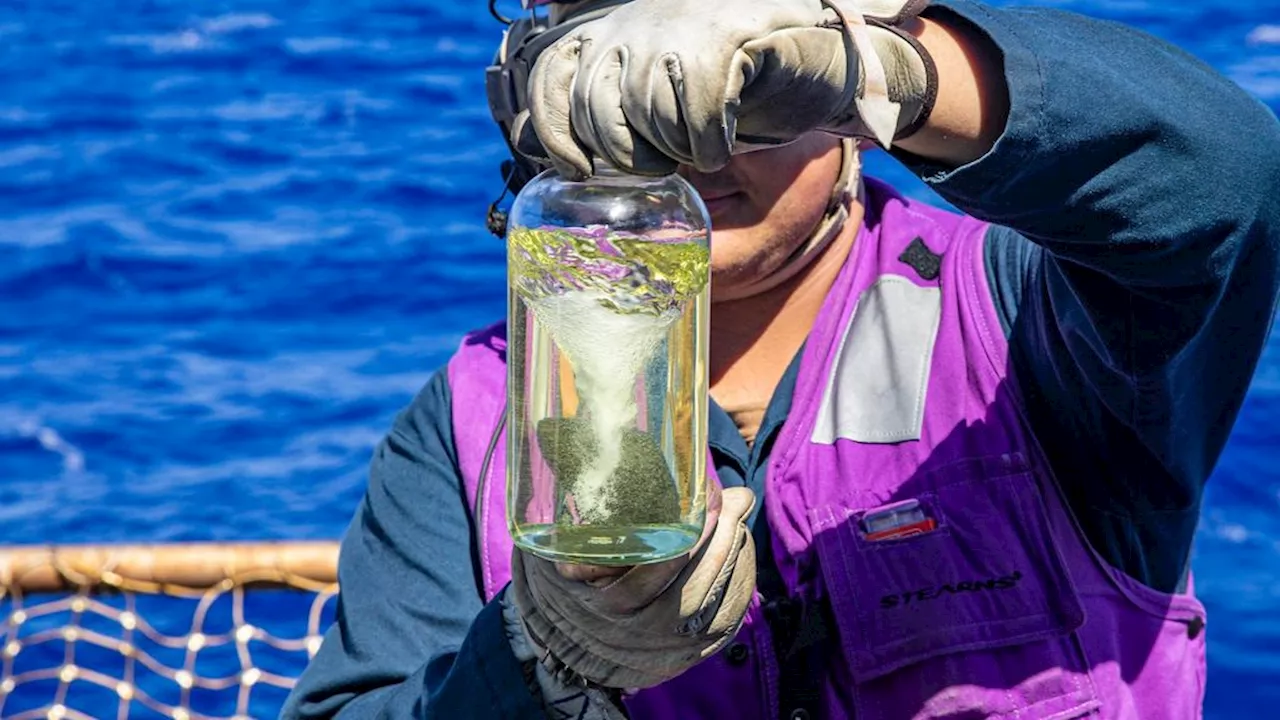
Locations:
{"points": [[877, 111], [930, 96]]}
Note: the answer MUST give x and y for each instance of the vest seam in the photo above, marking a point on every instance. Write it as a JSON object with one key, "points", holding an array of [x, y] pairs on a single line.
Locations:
{"points": [[1176, 605], [483, 490], [1113, 575], [977, 309], [479, 554]]}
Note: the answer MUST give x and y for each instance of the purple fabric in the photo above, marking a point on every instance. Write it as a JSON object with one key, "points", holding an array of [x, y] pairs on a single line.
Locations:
{"points": [[1003, 610], [478, 384]]}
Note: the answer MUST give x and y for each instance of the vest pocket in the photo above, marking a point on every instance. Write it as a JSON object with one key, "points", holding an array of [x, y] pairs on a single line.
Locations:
{"points": [[973, 614]]}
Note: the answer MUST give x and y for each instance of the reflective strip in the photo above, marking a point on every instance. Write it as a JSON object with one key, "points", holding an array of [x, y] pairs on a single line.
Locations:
{"points": [[876, 388]]}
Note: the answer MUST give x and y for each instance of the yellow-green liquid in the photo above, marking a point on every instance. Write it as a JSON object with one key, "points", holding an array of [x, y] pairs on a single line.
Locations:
{"points": [[603, 545], [608, 394]]}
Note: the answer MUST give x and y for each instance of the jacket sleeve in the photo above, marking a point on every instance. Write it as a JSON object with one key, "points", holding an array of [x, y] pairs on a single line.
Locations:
{"points": [[1136, 198], [412, 637]]}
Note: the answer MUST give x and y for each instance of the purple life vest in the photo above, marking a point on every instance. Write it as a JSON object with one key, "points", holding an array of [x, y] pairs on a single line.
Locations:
{"points": [[907, 492]]}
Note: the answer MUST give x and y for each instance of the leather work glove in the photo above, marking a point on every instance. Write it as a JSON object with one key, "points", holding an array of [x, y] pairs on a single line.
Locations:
{"points": [[652, 622], [660, 82]]}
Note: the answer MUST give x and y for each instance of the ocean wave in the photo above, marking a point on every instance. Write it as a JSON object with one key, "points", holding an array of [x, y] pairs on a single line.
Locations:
{"points": [[72, 457], [322, 45], [1264, 35], [1259, 75], [238, 22], [179, 41], [201, 35]]}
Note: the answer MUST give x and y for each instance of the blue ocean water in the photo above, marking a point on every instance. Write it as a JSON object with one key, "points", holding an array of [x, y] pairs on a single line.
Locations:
{"points": [[236, 236]]}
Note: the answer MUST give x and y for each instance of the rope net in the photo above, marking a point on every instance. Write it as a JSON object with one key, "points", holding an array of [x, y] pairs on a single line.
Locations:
{"points": [[181, 631]]}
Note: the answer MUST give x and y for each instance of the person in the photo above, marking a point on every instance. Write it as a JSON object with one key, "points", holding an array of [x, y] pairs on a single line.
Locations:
{"points": [[959, 453]]}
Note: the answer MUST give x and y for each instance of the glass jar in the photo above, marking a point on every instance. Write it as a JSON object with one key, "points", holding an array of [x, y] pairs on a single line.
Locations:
{"points": [[608, 301]]}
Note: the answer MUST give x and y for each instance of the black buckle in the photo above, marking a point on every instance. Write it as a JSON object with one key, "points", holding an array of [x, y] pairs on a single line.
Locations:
{"points": [[506, 80], [506, 84]]}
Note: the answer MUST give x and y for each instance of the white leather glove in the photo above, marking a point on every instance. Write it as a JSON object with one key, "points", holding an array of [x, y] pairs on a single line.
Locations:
{"points": [[660, 82], [653, 622]]}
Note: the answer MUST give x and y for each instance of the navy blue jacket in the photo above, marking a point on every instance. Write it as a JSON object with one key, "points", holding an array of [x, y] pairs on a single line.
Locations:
{"points": [[1136, 194]]}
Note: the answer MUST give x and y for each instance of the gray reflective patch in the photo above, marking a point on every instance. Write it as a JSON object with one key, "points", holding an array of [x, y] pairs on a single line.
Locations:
{"points": [[876, 390]]}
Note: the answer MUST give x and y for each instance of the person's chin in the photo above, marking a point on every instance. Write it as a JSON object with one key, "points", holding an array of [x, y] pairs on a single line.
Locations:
{"points": [[733, 268], [726, 211], [725, 289]]}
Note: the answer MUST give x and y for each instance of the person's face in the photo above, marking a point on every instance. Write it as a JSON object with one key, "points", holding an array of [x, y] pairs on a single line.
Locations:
{"points": [[764, 205]]}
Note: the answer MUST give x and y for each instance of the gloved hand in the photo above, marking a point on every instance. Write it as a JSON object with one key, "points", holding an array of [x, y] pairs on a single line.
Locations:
{"points": [[660, 82], [652, 622]]}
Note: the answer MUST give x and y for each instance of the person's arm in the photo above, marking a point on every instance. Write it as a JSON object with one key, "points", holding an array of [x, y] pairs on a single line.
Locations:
{"points": [[1135, 270], [412, 638]]}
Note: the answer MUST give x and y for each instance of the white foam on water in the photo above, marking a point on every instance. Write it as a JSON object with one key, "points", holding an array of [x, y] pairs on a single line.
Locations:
{"points": [[607, 350], [237, 22], [1264, 35], [50, 440]]}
